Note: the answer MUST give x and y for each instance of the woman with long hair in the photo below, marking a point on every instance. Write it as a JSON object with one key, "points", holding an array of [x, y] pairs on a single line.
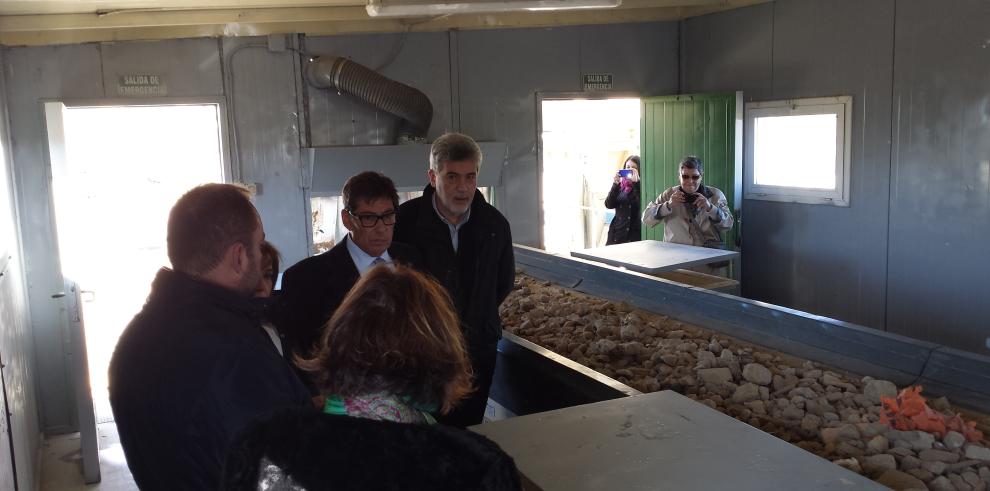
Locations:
{"points": [[392, 351], [624, 199]]}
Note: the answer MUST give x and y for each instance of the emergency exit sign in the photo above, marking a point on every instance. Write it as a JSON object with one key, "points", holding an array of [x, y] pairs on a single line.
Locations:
{"points": [[597, 81], [141, 85]]}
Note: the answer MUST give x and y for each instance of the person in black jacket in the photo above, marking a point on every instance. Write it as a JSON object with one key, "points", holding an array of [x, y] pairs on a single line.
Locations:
{"points": [[466, 245], [624, 199], [313, 288], [194, 367]]}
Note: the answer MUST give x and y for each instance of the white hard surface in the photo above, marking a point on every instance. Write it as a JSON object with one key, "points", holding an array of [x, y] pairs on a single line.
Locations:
{"points": [[651, 256], [660, 440]]}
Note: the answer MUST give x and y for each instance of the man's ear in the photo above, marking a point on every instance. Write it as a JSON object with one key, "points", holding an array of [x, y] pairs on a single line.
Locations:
{"points": [[348, 220], [433, 178], [237, 257]]}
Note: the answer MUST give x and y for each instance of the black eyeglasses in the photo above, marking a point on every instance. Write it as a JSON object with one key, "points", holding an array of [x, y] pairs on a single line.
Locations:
{"points": [[694, 177], [368, 221]]}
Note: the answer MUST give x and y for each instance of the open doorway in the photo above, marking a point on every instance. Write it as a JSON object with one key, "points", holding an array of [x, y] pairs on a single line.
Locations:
{"points": [[584, 143], [116, 172]]}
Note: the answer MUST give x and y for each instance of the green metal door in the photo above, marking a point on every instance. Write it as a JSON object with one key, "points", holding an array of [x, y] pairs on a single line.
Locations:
{"points": [[706, 125]]}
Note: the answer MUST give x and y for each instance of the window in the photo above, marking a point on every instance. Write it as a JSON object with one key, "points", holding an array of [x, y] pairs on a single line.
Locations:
{"points": [[798, 150]]}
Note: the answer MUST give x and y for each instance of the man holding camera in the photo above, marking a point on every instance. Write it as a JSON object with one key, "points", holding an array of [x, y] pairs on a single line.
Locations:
{"points": [[692, 213]]}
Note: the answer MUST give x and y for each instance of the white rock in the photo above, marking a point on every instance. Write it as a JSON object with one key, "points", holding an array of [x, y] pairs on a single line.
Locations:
{"points": [[811, 423], [758, 374], [850, 463], [954, 440], [875, 464], [898, 480], [842, 433], [932, 455], [877, 444], [879, 388], [933, 467], [941, 483], [977, 452], [746, 393], [706, 360], [757, 407], [629, 332], [715, 376], [959, 483]]}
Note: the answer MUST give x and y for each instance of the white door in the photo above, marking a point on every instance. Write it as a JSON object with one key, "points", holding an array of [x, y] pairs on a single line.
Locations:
{"points": [[116, 171]]}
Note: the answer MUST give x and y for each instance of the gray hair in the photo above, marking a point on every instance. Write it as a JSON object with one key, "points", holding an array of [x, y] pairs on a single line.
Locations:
{"points": [[454, 147]]}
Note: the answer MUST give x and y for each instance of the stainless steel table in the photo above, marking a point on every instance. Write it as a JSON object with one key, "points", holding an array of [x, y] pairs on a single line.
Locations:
{"points": [[660, 440], [652, 256]]}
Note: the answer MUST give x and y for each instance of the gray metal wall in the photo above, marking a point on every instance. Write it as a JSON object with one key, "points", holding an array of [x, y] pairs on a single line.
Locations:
{"points": [[484, 83], [939, 275], [16, 340], [906, 255], [264, 92]]}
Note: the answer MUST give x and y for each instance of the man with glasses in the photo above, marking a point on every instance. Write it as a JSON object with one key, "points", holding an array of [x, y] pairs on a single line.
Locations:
{"points": [[313, 288], [692, 213]]}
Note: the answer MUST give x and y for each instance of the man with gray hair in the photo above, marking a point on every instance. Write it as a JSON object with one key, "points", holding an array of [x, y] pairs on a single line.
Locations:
{"points": [[467, 246]]}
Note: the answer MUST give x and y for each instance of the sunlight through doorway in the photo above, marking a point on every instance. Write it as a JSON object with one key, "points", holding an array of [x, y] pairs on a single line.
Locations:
{"points": [[122, 170], [584, 142]]}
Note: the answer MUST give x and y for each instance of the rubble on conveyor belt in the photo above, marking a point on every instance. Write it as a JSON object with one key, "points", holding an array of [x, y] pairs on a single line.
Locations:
{"points": [[825, 411]]}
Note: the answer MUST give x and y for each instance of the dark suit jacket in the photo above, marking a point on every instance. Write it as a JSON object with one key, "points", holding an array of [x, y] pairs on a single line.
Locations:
{"points": [[313, 288]]}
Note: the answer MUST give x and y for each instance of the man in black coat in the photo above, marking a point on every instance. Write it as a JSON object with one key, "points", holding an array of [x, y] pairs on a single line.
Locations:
{"points": [[467, 246], [194, 367], [313, 288]]}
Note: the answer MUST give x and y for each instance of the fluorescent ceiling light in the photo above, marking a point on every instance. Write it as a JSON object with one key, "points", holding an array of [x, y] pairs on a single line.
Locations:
{"points": [[411, 8]]}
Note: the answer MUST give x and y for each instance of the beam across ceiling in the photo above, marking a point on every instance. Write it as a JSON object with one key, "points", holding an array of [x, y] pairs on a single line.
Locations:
{"points": [[16, 30]]}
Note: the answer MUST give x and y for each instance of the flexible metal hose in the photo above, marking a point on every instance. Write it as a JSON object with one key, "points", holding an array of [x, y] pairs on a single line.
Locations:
{"points": [[396, 98]]}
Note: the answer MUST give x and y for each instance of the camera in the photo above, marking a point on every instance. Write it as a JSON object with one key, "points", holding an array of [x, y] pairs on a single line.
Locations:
{"points": [[627, 173], [689, 197]]}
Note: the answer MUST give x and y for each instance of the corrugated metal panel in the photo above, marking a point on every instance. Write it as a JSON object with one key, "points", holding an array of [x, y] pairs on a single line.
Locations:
{"points": [[263, 95], [940, 181], [34, 74], [17, 350], [820, 259], [691, 124]]}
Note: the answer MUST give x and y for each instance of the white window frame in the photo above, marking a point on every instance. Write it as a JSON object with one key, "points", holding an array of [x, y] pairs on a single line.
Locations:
{"points": [[841, 107]]}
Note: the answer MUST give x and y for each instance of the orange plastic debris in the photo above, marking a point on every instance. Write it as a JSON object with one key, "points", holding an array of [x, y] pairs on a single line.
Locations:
{"points": [[908, 411]]}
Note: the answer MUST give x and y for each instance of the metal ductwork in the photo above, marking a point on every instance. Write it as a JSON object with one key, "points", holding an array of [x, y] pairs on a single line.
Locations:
{"points": [[403, 101]]}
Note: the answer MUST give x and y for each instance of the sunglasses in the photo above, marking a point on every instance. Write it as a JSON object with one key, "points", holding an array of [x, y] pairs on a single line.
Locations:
{"points": [[694, 177], [369, 221]]}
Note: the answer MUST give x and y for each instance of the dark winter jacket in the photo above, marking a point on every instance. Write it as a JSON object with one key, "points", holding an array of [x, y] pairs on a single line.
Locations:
{"points": [[625, 227], [191, 370], [307, 450], [313, 288], [479, 276]]}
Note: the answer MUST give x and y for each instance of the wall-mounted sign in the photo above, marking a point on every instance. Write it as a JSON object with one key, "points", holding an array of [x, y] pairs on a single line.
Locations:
{"points": [[141, 86], [597, 81]]}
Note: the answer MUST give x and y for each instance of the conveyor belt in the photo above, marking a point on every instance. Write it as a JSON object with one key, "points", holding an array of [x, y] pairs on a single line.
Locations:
{"points": [[961, 376]]}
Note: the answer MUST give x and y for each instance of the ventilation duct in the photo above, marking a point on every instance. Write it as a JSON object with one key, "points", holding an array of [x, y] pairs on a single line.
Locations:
{"points": [[403, 101]]}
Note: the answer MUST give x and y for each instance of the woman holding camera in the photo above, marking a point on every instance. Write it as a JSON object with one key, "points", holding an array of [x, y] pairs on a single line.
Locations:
{"points": [[692, 213], [624, 199]]}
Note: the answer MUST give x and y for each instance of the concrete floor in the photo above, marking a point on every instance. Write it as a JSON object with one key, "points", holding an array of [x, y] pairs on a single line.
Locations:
{"points": [[61, 464]]}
